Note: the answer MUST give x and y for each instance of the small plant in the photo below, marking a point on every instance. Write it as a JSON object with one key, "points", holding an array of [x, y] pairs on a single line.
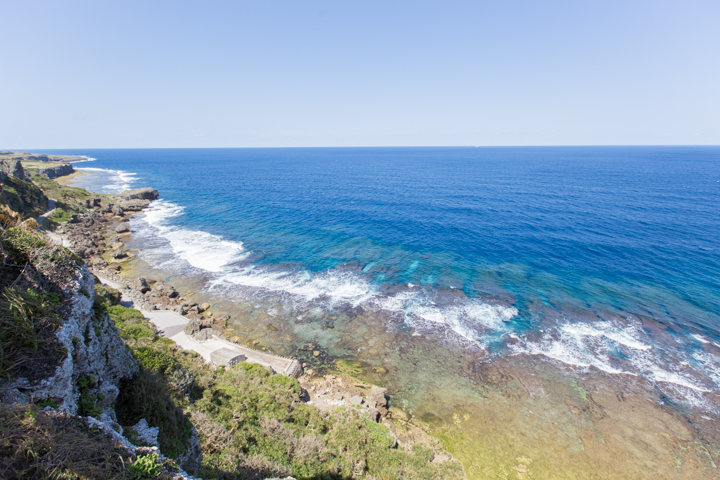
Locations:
{"points": [[87, 403], [146, 466], [49, 402]]}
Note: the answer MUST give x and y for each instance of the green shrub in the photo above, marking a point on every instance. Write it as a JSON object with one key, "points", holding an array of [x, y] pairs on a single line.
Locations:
{"points": [[146, 466], [148, 395], [106, 296], [87, 403], [251, 422]]}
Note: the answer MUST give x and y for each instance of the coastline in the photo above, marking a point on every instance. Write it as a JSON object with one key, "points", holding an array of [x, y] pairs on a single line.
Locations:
{"points": [[174, 314], [511, 388]]}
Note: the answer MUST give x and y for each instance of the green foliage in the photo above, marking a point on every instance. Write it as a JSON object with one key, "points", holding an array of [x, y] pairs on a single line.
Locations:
{"points": [[146, 466], [133, 327], [23, 197], [87, 403], [267, 421], [28, 246], [156, 360], [252, 423], [152, 394], [27, 321], [49, 402], [61, 214], [106, 296]]}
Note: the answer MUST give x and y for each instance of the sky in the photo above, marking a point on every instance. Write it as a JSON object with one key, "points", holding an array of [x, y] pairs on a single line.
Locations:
{"points": [[155, 73]]}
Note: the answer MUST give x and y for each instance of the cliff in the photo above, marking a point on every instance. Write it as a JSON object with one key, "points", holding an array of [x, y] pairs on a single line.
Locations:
{"points": [[88, 389], [54, 172], [18, 193]]}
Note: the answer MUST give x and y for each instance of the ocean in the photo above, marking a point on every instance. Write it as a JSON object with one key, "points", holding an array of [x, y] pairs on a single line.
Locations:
{"points": [[560, 252], [555, 305]]}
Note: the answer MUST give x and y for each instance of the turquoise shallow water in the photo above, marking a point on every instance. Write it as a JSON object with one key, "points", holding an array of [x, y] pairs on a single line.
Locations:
{"points": [[591, 256]]}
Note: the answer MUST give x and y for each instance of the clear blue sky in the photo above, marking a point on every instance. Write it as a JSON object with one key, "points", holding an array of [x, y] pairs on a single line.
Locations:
{"points": [[155, 73]]}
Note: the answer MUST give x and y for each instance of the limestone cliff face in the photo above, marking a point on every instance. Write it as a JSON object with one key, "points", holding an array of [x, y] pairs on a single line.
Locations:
{"points": [[55, 172], [94, 350]]}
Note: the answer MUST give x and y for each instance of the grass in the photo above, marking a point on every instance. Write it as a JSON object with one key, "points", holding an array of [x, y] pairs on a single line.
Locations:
{"points": [[54, 445], [33, 275], [252, 423], [62, 193], [155, 393], [27, 324]]}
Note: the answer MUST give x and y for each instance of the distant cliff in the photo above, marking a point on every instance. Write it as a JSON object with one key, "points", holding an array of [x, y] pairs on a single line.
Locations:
{"points": [[54, 172]]}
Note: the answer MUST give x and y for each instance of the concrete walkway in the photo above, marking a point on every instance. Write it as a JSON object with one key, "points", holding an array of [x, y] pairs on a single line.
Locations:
{"points": [[51, 206], [172, 325]]}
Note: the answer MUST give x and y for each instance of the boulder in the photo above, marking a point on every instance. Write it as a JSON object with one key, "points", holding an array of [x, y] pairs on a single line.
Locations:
{"points": [[376, 398], [193, 326], [142, 285], [206, 334], [162, 290], [134, 205], [122, 228], [218, 321], [146, 193], [205, 306]]}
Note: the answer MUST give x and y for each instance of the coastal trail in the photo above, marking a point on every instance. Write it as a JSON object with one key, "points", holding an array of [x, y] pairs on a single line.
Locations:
{"points": [[172, 325]]}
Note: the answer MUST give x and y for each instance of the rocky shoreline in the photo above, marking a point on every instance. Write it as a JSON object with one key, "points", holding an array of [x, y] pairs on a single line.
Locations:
{"points": [[99, 235]]}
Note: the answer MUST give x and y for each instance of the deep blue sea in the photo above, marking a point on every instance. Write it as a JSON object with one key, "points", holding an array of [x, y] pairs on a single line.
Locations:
{"points": [[591, 256]]}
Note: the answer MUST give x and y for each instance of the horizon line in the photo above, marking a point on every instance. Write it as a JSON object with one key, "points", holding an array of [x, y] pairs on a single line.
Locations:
{"points": [[29, 150]]}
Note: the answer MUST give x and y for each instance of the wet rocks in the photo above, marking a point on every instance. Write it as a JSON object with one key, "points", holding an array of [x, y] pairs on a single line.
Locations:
{"points": [[134, 205]]}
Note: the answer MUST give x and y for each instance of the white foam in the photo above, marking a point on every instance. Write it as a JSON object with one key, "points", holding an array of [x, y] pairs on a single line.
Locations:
{"points": [[84, 159], [699, 338], [200, 249], [710, 364], [334, 284], [571, 348], [468, 318], [120, 180], [593, 344], [624, 337]]}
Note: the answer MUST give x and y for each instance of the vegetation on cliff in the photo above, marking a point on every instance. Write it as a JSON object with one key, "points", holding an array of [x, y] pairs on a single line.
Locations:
{"points": [[251, 422]]}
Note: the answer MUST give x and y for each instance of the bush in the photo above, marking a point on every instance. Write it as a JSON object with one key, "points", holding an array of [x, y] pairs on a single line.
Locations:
{"points": [[145, 466], [252, 423]]}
